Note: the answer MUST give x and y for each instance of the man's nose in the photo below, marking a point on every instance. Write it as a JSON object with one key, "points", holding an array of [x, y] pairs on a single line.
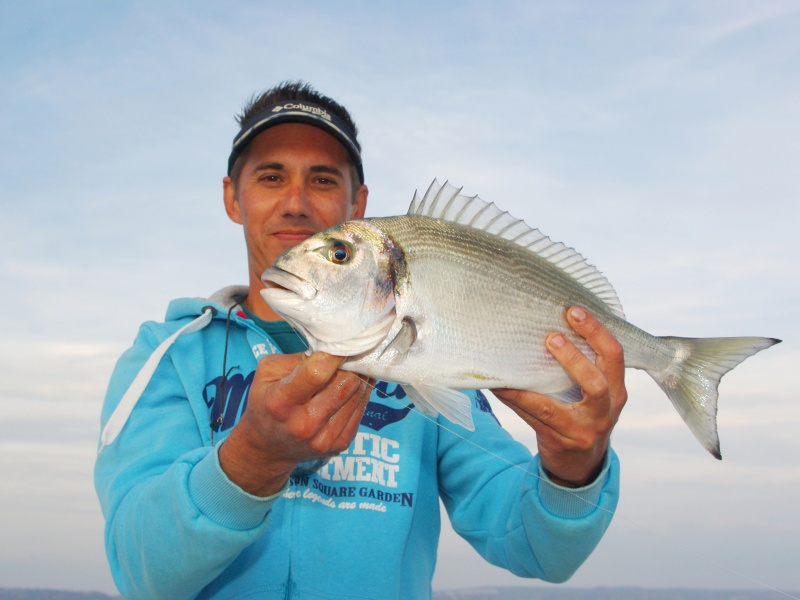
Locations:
{"points": [[295, 202]]}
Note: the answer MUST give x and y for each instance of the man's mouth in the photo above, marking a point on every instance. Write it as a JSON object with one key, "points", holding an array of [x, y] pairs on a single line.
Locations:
{"points": [[294, 235]]}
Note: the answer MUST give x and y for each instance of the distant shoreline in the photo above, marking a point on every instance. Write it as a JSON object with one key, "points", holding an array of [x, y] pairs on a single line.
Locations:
{"points": [[489, 593], [609, 593]]}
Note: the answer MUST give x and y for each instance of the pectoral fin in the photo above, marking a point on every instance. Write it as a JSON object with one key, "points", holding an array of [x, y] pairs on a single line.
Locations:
{"points": [[434, 400], [401, 343]]}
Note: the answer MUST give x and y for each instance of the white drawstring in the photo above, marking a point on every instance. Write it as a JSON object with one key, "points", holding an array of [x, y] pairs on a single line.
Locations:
{"points": [[123, 410]]}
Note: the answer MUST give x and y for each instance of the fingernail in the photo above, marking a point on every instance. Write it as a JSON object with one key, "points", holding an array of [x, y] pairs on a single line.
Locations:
{"points": [[556, 341], [577, 314]]}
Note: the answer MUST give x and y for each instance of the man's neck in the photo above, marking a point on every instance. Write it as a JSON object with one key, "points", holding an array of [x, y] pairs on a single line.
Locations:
{"points": [[256, 304]]}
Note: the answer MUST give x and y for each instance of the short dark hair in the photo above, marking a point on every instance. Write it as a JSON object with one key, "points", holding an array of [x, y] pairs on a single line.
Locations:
{"points": [[284, 92]]}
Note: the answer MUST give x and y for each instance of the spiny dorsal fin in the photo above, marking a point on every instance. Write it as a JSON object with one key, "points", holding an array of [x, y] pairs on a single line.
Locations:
{"points": [[447, 203]]}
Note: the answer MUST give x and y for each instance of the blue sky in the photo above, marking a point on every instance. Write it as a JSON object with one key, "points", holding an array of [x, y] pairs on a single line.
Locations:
{"points": [[660, 139]]}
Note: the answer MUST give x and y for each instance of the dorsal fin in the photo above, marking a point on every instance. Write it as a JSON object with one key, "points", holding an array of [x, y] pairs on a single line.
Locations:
{"points": [[447, 203]]}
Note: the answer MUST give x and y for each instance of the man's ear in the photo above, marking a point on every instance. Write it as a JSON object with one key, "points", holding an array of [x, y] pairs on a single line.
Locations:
{"points": [[231, 202], [360, 205]]}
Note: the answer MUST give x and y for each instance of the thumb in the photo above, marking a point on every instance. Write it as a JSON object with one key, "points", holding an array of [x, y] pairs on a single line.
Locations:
{"points": [[312, 373], [275, 367]]}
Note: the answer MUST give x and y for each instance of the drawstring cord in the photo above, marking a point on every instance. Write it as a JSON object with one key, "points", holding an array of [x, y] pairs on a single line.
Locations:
{"points": [[119, 417], [218, 412]]}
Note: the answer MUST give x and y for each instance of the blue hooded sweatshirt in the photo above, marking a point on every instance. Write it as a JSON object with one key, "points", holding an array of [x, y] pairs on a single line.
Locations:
{"points": [[364, 525]]}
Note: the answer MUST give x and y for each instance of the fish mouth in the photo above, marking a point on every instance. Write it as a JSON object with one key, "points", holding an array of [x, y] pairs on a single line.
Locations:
{"points": [[280, 282]]}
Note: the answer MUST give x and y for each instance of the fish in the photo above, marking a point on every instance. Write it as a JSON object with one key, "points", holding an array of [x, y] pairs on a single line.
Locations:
{"points": [[458, 294]]}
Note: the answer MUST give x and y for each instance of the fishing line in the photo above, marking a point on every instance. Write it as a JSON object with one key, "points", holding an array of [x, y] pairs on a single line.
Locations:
{"points": [[630, 522], [642, 528]]}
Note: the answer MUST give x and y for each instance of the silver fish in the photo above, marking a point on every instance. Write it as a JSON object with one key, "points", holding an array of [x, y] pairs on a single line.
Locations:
{"points": [[457, 294]]}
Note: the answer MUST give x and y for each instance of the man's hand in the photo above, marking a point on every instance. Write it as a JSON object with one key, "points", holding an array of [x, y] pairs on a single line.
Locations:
{"points": [[573, 438], [299, 408]]}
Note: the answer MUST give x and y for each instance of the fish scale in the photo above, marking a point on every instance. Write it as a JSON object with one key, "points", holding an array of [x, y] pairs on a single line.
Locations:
{"points": [[531, 297], [458, 294], [529, 300]]}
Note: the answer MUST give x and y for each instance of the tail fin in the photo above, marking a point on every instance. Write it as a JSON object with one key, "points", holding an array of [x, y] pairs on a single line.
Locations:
{"points": [[691, 381]]}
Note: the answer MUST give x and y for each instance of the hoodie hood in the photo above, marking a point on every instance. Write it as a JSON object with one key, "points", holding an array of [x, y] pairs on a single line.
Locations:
{"points": [[201, 311], [220, 302]]}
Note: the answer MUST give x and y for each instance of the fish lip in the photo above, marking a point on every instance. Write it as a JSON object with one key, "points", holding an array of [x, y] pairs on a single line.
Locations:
{"points": [[276, 278]]}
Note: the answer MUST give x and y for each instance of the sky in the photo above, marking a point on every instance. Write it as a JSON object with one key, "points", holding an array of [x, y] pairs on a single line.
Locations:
{"points": [[660, 139]]}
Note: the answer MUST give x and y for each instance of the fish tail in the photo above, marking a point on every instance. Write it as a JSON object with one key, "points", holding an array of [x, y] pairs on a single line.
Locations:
{"points": [[692, 378]]}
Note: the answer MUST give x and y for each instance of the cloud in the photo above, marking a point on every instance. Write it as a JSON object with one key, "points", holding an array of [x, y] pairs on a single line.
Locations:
{"points": [[658, 139]]}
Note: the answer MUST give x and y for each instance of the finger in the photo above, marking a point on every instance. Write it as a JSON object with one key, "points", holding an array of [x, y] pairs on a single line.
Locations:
{"points": [[312, 374], [350, 417], [610, 355], [336, 392], [578, 366], [315, 420], [537, 410], [335, 433], [275, 367], [285, 382]]}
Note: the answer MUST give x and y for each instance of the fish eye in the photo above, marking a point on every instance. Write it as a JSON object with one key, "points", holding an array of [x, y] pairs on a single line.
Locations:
{"points": [[339, 253]]}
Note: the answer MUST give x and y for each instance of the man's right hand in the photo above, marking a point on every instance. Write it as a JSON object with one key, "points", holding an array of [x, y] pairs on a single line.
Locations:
{"points": [[299, 408]]}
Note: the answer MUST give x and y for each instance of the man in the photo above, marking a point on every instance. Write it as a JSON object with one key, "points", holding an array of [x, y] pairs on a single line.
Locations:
{"points": [[212, 471]]}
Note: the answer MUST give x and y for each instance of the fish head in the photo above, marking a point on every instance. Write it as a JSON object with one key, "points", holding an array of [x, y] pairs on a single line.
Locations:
{"points": [[336, 288]]}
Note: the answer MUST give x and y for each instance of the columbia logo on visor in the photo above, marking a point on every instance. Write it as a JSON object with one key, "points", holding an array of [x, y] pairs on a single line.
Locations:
{"points": [[305, 108]]}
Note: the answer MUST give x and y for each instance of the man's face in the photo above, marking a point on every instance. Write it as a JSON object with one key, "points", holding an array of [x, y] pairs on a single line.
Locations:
{"points": [[296, 181]]}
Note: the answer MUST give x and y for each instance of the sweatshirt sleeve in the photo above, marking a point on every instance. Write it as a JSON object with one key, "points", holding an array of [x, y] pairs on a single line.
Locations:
{"points": [[174, 521], [506, 507]]}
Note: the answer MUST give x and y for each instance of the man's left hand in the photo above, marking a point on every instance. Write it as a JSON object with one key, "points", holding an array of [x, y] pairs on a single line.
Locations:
{"points": [[573, 438]]}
